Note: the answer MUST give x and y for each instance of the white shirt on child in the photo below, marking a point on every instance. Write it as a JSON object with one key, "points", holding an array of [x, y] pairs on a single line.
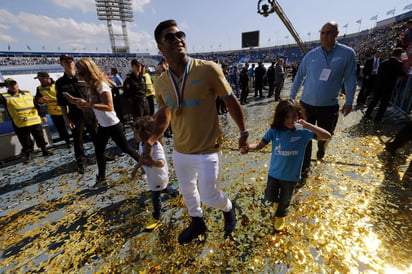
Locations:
{"points": [[158, 177]]}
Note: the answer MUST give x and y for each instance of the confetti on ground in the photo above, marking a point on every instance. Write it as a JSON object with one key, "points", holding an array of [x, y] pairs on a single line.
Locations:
{"points": [[353, 214]]}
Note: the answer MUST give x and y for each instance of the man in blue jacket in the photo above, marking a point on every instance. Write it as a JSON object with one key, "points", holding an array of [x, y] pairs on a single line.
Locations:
{"points": [[323, 70]]}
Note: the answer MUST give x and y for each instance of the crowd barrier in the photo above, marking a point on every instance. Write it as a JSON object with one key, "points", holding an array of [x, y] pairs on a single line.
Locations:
{"points": [[401, 101], [10, 146]]}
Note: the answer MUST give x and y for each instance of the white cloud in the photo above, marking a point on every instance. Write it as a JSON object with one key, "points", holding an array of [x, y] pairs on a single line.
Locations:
{"points": [[83, 5], [141, 41], [3, 36], [6, 38], [3, 29], [60, 30], [90, 5], [66, 32], [138, 5]]}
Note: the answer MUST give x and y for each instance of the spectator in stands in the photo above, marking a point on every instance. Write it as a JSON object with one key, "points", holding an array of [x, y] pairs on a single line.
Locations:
{"points": [[324, 69], [76, 119], [116, 77], [260, 73], [99, 100], [407, 38], [388, 73], [24, 113], [370, 71], [196, 130], [46, 94], [135, 90], [280, 77]]}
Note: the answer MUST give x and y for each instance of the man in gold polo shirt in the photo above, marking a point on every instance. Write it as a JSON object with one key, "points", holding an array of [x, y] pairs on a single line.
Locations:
{"points": [[186, 94]]}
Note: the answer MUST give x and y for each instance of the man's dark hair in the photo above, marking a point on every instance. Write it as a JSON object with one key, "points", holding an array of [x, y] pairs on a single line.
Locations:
{"points": [[397, 52], [163, 25], [134, 62]]}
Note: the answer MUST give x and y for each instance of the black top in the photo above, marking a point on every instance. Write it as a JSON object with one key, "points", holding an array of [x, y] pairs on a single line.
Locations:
{"points": [[75, 88]]}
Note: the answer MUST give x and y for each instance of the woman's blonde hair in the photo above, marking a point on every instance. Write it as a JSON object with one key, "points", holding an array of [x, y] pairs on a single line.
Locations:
{"points": [[93, 73]]}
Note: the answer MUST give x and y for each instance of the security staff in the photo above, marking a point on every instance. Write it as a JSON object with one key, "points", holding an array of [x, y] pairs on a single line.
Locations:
{"points": [[46, 94], [24, 113], [76, 119]]}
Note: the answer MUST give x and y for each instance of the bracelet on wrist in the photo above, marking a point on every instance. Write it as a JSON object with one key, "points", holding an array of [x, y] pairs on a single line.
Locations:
{"points": [[244, 133]]}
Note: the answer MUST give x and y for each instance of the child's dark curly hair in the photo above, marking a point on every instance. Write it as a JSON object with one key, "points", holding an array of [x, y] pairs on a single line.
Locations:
{"points": [[144, 126], [283, 108]]}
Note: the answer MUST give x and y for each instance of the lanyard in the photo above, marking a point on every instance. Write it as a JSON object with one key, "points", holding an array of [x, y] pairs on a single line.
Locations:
{"points": [[179, 91]]}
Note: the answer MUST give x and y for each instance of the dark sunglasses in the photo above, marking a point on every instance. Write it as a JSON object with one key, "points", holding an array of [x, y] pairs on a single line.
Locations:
{"points": [[170, 37]]}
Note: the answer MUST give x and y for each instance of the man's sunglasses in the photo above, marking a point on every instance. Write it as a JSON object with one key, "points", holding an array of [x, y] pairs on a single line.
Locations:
{"points": [[170, 37]]}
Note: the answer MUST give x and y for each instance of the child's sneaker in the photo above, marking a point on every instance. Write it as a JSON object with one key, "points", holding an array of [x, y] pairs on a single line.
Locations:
{"points": [[280, 223], [152, 224]]}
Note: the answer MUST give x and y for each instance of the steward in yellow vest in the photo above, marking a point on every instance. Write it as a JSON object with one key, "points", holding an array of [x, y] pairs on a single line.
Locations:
{"points": [[24, 112], [150, 92], [46, 94]]}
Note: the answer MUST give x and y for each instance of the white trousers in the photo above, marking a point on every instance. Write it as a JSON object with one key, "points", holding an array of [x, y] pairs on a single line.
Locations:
{"points": [[199, 178]]}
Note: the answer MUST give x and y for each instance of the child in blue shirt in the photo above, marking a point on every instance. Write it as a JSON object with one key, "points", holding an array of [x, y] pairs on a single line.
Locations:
{"points": [[289, 134]]}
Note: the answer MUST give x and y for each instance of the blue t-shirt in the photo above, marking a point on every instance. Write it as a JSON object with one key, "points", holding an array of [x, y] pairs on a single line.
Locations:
{"points": [[118, 80], [288, 149]]}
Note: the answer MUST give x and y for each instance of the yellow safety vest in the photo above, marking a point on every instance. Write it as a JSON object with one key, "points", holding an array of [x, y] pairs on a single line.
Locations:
{"points": [[21, 109], [52, 107], [149, 84]]}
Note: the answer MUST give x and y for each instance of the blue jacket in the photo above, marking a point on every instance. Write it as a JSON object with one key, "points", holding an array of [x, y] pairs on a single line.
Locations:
{"points": [[316, 92]]}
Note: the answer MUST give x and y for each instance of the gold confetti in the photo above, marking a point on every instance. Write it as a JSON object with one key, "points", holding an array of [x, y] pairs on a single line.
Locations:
{"points": [[351, 216]]}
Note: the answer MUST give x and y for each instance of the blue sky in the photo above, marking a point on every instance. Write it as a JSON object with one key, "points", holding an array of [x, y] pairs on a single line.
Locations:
{"points": [[210, 25]]}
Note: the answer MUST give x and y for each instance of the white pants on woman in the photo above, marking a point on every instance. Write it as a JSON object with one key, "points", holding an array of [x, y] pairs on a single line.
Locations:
{"points": [[199, 179]]}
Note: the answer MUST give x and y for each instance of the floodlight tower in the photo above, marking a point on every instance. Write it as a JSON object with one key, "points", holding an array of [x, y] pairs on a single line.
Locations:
{"points": [[116, 10], [273, 6]]}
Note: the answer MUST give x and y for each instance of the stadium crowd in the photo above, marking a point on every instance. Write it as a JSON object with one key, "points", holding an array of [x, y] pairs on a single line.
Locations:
{"points": [[363, 43]]}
